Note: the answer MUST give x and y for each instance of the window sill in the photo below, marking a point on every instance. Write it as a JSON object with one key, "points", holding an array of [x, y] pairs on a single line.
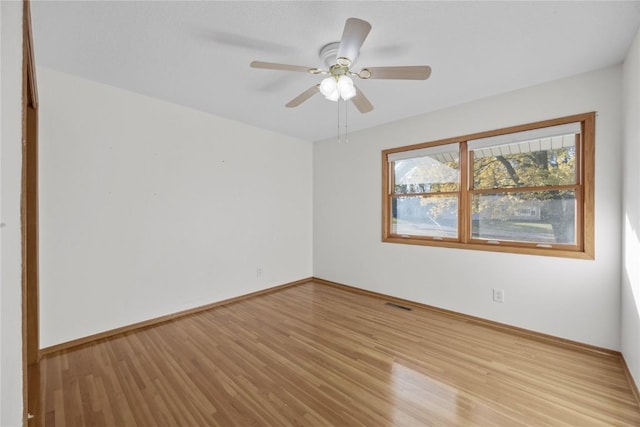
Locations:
{"points": [[502, 247]]}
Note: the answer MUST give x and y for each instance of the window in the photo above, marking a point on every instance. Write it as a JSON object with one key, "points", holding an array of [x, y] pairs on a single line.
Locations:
{"points": [[524, 189]]}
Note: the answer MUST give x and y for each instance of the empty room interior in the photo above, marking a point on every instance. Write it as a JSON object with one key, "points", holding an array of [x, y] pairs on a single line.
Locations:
{"points": [[284, 213]]}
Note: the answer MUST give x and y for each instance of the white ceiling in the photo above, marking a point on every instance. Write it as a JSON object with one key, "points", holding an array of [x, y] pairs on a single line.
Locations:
{"points": [[197, 53]]}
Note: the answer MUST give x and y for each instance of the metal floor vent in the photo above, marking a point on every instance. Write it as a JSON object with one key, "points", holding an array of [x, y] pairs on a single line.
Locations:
{"points": [[393, 304]]}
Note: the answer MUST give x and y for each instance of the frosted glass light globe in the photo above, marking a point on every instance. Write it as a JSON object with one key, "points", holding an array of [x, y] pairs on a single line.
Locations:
{"points": [[328, 86]]}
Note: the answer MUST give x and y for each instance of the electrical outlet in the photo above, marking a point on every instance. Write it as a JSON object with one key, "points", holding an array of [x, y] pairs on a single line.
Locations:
{"points": [[258, 271], [498, 295]]}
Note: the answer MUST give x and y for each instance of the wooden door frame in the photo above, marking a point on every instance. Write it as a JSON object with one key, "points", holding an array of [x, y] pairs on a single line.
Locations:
{"points": [[29, 225]]}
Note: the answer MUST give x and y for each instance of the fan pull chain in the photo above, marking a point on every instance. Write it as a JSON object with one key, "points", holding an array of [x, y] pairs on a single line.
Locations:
{"points": [[346, 123], [339, 140]]}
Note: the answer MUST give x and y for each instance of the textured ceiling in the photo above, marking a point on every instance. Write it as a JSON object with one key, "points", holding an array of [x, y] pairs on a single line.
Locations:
{"points": [[197, 54]]}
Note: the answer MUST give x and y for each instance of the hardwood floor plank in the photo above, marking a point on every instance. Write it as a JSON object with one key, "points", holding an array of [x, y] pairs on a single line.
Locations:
{"points": [[314, 354]]}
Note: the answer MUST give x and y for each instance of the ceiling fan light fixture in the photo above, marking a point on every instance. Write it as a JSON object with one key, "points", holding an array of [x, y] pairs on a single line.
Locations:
{"points": [[333, 96], [328, 86], [344, 82], [346, 87], [348, 93]]}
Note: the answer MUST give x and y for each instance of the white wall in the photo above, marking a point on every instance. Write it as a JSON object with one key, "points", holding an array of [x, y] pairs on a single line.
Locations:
{"points": [[630, 335], [10, 246], [149, 208], [574, 299]]}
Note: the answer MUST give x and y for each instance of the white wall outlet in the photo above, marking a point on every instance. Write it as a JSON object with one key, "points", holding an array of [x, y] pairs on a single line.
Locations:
{"points": [[498, 295], [259, 272]]}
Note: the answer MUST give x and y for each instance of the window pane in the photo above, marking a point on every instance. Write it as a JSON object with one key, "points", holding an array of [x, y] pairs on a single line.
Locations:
{"points": [[535, 163], [435, 216], [429, 173], [538, 217]]}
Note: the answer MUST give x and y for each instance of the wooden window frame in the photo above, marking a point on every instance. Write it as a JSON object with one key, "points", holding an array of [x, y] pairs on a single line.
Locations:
{"points": [[584, 188]]}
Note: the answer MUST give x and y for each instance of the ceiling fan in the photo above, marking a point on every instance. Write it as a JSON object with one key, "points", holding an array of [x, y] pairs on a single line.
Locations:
{"points": [[338, 57]]}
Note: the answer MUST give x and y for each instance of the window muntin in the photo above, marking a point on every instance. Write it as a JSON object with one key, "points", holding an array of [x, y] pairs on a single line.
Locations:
{"points": [[525, 189]]}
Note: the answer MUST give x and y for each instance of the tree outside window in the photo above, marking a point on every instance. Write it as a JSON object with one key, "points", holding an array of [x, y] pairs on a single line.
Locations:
{"points": [[526, 189]]}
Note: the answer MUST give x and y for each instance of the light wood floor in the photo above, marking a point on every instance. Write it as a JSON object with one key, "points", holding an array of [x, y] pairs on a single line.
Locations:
{"points": [[318, 355]]}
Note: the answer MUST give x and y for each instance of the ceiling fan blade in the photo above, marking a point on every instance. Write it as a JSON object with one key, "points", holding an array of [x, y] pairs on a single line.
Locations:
{"points": [[274, 66], [303, 96], [353, 36], [361, 102], [413, 72]]}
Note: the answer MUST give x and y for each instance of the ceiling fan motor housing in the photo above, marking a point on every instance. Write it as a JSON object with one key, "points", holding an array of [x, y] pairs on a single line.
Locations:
{"points": [[329, 54]]}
